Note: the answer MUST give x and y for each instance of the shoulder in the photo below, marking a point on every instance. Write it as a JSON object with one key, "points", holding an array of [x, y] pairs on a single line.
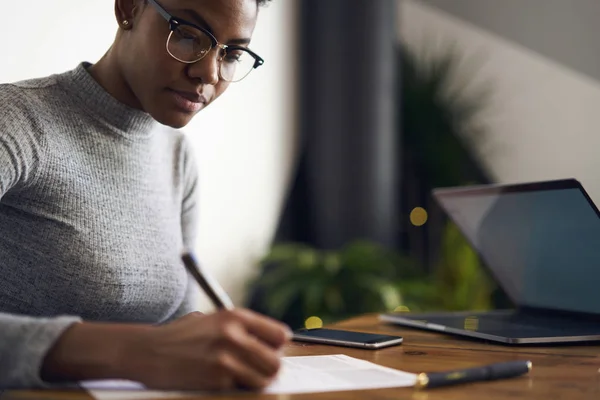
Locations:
{"points": [[23, 103], [176, 150], [179, 143], [188, 154], [37, 83], [28, 109], [187, 148], [16, 93], [186, 158], [22, 121]]}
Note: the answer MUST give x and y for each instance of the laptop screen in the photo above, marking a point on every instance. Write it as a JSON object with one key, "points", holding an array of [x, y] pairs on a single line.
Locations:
{"points": [[541, 241]]}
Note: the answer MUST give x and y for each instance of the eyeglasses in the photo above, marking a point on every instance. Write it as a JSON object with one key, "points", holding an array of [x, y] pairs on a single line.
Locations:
{"points": [[189, 43]]}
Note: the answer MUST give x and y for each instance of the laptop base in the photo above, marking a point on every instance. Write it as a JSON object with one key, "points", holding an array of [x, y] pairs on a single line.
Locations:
{"points": [[504, 326]]}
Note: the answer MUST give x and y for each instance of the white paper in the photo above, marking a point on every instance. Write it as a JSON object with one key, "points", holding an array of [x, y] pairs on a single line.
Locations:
{"points": [[304, 374], [127, 390]]}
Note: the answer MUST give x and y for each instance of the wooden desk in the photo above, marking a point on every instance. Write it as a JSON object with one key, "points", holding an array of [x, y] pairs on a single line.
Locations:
{"points": [[564, 372]]}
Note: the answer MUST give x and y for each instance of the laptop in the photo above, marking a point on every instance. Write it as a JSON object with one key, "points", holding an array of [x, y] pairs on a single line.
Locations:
{"points": [[541, 242]]}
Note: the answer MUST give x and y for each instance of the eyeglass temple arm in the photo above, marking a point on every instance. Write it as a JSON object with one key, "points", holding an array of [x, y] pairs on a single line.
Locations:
{"points": [[161, 10], [258, 62]]}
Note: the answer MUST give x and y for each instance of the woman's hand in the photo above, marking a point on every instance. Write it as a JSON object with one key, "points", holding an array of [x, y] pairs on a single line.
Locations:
{"points": [[224, 350]]}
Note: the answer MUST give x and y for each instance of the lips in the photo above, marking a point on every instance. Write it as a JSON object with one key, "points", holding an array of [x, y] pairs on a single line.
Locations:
{"points": [[188, 102], [191, 96]]}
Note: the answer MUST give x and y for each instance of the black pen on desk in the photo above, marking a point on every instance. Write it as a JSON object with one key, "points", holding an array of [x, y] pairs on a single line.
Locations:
{"points": [[212, 288], [502, 370]]}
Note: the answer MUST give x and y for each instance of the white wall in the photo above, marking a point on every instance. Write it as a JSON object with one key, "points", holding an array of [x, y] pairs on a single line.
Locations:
{"points": [[543, 120], [565, 31], [244, 142]]}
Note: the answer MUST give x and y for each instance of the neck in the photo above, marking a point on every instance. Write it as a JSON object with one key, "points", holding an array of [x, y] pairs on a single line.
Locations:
{"points": [[86, 92], [108, 74]]}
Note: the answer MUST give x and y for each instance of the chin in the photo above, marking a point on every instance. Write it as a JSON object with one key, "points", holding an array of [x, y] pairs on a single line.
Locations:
{"points": [[175, 120]]}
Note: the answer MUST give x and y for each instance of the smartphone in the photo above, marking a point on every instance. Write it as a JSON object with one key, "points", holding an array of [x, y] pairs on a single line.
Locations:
{"points": [[346, 338]]}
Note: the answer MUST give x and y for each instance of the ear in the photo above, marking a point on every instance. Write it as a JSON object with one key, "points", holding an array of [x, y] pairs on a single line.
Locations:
{"points": [[127, 11]]}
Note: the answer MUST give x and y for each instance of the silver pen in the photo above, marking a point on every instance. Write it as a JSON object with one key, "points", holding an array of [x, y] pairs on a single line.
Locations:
{"points": [[212, 288]]}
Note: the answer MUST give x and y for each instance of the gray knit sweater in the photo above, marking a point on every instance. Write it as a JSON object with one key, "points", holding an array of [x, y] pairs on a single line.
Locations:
{"points": [[97, 201]]}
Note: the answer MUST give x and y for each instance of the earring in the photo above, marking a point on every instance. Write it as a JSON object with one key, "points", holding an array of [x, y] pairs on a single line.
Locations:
{"points": [[125, 23]]}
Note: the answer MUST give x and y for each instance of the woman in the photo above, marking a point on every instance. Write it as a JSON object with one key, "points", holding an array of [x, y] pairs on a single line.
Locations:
{"points": [[98, 198]]}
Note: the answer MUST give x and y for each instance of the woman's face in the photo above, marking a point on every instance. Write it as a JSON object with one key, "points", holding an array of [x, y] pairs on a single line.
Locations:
{"points": [[170, 91]]}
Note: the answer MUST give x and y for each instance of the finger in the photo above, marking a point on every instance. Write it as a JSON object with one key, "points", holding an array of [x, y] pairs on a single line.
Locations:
{"points": [[244, 374], [222, 382], [255, 353], [268, 330]]}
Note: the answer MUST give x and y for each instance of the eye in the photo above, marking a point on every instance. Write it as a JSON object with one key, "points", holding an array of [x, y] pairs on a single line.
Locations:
{"points": [[186, 33], [233, 56]]}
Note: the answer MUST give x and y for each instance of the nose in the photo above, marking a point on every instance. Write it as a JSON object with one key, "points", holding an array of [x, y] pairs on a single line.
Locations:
{"points": [[206, 70]]}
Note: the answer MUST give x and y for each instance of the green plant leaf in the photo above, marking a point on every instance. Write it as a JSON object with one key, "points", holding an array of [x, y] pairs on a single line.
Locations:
{"points": [[277, 301], [391, 296], [334, 301], [314, 299]]}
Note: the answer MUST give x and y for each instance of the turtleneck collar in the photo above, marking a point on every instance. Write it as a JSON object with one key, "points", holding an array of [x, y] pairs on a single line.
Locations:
{"points": [[127, 121]]}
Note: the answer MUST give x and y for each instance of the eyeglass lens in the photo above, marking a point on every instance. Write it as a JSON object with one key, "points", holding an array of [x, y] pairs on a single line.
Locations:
{"points": [[189, 44]]}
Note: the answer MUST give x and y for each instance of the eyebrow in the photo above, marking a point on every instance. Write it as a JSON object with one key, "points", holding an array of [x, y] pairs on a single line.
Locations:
{"points": [[202, 22]]}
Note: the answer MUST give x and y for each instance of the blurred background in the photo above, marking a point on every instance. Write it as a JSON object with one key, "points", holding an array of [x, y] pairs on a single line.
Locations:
{"points": [[316, 171]]}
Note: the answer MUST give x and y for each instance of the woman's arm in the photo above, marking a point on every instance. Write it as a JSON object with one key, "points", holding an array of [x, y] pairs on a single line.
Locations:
{"points": [[197, 352], [24, 342], [189, 224], [92, 351]]}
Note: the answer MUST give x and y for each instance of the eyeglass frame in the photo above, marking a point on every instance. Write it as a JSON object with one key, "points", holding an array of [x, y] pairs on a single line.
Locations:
{"points": [[175, 22]]}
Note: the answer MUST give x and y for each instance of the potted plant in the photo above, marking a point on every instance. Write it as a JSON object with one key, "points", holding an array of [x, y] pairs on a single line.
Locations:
{"points": [[438, 127], [298, 281]]}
